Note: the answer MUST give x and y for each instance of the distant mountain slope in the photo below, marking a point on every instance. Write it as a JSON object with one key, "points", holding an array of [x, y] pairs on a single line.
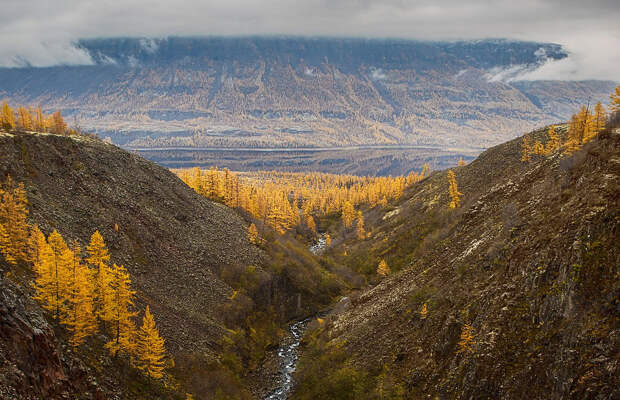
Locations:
{"points": [[530, 262], [274, 92]]}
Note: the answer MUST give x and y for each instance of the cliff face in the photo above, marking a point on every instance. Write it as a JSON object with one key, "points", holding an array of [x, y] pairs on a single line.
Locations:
{"points": [[274, 92], [30, 360], [529, 262]]}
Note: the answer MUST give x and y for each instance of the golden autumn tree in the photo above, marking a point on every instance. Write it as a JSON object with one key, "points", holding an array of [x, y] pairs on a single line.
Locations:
{"points": [[359, 229], [118, 312], [151, 349], [467, 339], [573, 138], [39, 122], [61, 267], [328, 240], [455, 195], [35, 242], [424, 311], [7, 118], [98, 257], [614, 104], [600, 117], [24, 118], [348, 214], [311, 224], [538, 148], [81, 320], [43, 268], [383, 269], [554, 141], [13, 217], [461, 162], [278, 217], [526, 149], [57, 123], [4, 242], [253, 234]]}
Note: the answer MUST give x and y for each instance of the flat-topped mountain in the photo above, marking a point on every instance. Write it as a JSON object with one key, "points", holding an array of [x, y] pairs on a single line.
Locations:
{"points": [[275, 92]]}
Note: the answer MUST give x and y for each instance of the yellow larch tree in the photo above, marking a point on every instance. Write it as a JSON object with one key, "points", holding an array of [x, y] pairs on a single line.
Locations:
{"points": [[81, 320], [7, 118], [573, 138], [554, 141], [538, 148], [614, 104], [425, 170], [424, 311], [40, 122], [328, 240], [61, 266], [36, 241], [151, 349], [359, 229], [24, 119], [455, 195], [311, 224], [4, 242], [44, 275], [253, 234], [526, 149], [383, 269], [57, 123], [467, 339], [98, 257], [278, 217], [348, 214], [13, 217], [461, 162], [600, 117], [118, 313]]}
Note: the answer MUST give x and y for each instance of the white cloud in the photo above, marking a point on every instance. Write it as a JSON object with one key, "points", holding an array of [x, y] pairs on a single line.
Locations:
{"points": [[377, 74], [43, 54], [41, 32]]}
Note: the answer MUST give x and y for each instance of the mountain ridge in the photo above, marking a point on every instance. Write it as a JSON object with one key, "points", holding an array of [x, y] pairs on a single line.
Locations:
{"points": [[300, 92], [512, 295]]}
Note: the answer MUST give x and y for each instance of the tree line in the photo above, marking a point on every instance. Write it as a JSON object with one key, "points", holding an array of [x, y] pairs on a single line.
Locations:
{"points": [[83, 291], [584, 126], [285, 200], [33, 119]]}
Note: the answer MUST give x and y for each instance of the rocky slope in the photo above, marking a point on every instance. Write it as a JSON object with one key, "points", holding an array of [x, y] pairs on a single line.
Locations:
{"points": [[171, 240], [274, 92], [186, 255], [530, 262]]}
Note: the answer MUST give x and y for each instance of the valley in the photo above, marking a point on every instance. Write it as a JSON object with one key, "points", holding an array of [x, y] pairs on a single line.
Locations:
{"points": [[448, 272], [355, 160]]}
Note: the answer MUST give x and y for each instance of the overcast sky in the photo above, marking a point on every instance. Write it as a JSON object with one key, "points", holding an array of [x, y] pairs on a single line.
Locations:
{"points": [[40, 32]]}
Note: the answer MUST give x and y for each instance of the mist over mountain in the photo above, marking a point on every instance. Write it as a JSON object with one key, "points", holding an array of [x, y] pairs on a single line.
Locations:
{"points": [[303, 92]]}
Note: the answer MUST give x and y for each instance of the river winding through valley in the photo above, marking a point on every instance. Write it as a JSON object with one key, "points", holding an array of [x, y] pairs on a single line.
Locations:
{"points": [[289, 351], [288, 354]]}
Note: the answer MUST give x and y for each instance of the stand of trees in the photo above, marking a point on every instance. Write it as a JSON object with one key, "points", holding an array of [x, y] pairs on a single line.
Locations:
{"points": [[584, 126], [82, 291], [285, 200], [34, 120]]}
